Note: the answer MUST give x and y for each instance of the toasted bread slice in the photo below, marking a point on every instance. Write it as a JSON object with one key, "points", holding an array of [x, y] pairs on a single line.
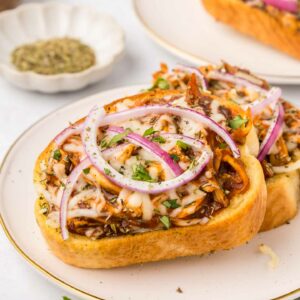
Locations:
{"points": [[283, 199], [257, 23], [231, 227], [283, 190]]}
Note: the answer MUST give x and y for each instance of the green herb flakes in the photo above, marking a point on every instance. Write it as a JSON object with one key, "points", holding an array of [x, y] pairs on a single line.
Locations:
{"points": [[107, 171], [66, 298], [113, 227], [237, 122], [149, 131], [141, 174], [57, 155], [86, 171], [175, 157], [103, 144], [222, 145], [165, 220], [171, 203], [119, 137], [182, 145], [161, 84], [54, 56], [158, 139]]}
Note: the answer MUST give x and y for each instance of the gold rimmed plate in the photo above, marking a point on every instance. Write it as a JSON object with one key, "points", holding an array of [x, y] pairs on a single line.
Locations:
{"points": [[241, 273]]}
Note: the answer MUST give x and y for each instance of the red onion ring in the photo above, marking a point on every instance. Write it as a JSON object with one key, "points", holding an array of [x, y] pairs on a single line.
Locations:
{"points": [[272, 96], [154, 148], [69, 186], [67, 132], [286, 5], [272, 133], [191, 70], [216, 75], [176, 110], [96, 118]]}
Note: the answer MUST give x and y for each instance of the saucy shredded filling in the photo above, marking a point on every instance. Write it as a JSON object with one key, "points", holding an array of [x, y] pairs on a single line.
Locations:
{"points": [[99, 208]]}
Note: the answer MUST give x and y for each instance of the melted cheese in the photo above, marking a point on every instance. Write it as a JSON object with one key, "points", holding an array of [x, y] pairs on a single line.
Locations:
{"points": [[147, 207], [181, 102], [59, 171], [123, 105], [190, 128]]}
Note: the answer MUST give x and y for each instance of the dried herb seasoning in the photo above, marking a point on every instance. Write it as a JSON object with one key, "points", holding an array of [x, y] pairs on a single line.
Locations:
{"points": [[54, 56]]}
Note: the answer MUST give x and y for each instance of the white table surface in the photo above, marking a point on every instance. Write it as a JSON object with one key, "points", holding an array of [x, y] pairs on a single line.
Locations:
{"points": [[19, 109]]}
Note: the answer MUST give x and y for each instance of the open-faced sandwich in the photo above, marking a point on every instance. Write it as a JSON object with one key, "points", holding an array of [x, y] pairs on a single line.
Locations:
{"points": [[273, 22], [275, 140], [151, 177]]}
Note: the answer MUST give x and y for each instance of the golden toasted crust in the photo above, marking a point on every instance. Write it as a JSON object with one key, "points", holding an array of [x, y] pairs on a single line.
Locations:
{"points": [[283, 199], [283, 190], [231, 227], [256, 23]]}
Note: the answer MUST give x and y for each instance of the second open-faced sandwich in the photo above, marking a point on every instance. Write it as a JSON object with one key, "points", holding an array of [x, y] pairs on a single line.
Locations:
{"points": [[150, 177], [272, 22], [275, 138]]}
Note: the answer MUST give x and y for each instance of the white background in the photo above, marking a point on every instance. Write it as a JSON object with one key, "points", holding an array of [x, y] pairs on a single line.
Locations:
{"points": [[19, 109]]}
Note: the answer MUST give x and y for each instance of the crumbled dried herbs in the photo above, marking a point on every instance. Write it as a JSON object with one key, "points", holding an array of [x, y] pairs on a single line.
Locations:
{"points": [[54, 56]]}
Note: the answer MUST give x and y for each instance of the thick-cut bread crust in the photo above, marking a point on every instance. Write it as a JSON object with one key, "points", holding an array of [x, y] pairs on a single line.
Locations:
{"points": [[283, 190], [256, 23], [283, 199], [231, 227]]}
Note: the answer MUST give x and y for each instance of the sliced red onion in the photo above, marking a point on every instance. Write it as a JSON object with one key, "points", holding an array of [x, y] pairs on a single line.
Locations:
{"points": [[292, 166], [96, 118], [160, 154], [216, 75], [287, 5], [272, 96], [69, 186], [66, 133], [191, 70], [272, 133], [176, 110]]}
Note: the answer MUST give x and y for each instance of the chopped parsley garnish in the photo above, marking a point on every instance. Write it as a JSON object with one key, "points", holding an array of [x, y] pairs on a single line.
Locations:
{"points": [[160, 83], [175, 157], [140, 173], [86, 171], [159, 139], [57, 155], [166, 221], [171, 203], [106, 171], [103, 143], [237, 122], [63, 185], [149, 131], [113, 227], [66, 298], [182, 145], [222, 145], [119, 137]]}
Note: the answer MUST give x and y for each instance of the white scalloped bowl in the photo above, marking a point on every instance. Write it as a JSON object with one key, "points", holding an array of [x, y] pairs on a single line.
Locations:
{"points": [[31, 22]]}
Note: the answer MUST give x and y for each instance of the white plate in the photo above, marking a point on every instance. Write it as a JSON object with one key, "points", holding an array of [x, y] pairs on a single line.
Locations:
{"points": [[184, 28], [238, 274]]}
